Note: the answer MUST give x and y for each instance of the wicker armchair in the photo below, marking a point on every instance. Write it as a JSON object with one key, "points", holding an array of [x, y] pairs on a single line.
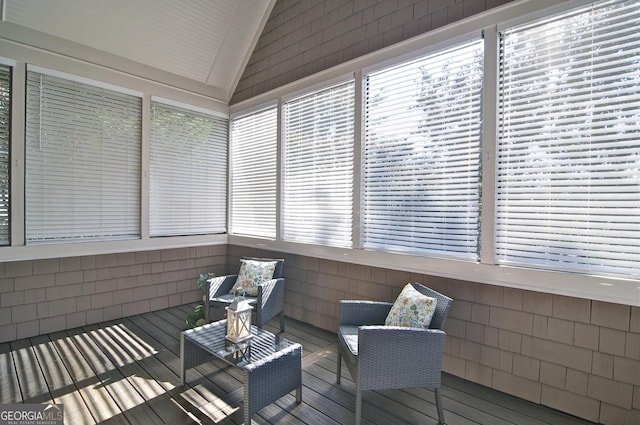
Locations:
{"points": [[386, 357], [268, 304]]}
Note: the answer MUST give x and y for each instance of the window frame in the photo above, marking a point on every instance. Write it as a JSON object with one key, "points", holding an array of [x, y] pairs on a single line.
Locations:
{"points": [[566, 284], [329, 237], [105, 77], [129, 226], [5, 236], [264, 189], [572, 210], [195, 224], [602, 288], [424, 243]]}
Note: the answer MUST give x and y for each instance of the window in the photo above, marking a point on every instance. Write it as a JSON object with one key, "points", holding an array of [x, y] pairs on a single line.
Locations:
{"points": [[569, 142], [318, 167], [82, 161], [421, 176], [254, 139], [5, 126], [188, 172]]}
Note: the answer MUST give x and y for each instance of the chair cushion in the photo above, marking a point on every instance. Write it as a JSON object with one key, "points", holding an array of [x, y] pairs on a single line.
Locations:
{"points": [[252, 273], [411, 309], [349, 338]]}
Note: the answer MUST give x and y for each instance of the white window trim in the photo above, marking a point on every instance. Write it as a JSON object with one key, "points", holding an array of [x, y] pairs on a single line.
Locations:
{"points": [[598, 288], [253, 110], [7, 61], [188, 107], [449, 248], [327, 233], [231, 194], [243, 113], [608, 289], [336, 81], [83, 80], [112, 187], [582, 286], [38, 252], [22, 56], [163, 199], [594, 233]]}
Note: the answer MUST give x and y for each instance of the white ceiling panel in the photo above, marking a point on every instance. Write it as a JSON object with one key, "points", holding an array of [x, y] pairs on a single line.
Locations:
{"points": [[207, 41]]}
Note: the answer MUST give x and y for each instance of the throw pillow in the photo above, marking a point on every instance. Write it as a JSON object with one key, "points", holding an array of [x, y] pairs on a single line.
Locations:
{"points": [[252, 273], [411, 309]]}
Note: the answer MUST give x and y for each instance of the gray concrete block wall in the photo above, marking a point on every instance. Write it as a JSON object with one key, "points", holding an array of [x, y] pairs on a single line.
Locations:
{"points": [[572, 354], [303, 37], [43, 296]]}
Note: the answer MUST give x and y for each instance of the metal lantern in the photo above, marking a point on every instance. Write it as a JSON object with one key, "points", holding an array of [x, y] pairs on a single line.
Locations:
{"points": [[241, 352], [239, 320]]}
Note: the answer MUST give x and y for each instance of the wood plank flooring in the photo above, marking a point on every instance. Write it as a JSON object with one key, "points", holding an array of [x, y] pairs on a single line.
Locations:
{"points": [[126, 372]]}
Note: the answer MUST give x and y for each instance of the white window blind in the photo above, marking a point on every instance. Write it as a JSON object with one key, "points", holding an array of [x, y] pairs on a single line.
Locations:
{"points": [[5, 113], [254, 139], [421, 179], [188, 172], [568, 173], [82, 162], [318, 167]]}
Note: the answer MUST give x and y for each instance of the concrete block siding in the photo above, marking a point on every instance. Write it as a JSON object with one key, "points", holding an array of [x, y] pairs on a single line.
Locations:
{"points": [[575, 355], [43, 296]]}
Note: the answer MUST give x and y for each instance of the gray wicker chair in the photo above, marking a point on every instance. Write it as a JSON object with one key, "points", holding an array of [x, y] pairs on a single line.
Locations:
{"points": [[268, 304], [386, 357]]}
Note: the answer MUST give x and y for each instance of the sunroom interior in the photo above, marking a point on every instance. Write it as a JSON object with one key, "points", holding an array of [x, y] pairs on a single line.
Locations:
{"points": [[488, 149]]}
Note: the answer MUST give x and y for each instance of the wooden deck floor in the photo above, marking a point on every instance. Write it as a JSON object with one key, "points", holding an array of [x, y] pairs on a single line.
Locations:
{"points": [[126, 372]]}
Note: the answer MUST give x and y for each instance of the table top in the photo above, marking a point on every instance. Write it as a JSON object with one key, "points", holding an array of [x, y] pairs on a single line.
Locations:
{"points": [[211, 338]]}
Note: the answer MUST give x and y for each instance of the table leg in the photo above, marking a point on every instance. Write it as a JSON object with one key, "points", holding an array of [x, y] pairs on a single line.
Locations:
{"points": [[191, 355], [183, 371], [270, 379]]}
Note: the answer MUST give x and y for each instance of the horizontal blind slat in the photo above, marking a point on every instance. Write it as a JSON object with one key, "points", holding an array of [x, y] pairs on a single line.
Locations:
{"points": [[254, 173], [188, 172], [318, 167], [422, 154], [568, 187], [83, 152], [5, 114]]}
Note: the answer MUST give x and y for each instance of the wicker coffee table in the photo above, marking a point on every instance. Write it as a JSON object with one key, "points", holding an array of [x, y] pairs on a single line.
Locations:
{"points": [[272, 366]]}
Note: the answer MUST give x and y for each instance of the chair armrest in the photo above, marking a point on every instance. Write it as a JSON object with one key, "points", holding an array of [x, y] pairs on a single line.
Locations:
{"points": [[271, 292], [270, 300], [359, 313], [399, 357], [220, 285]]}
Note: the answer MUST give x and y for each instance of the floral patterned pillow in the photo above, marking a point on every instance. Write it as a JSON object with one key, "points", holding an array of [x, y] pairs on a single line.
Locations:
{"points": [[411, 309], [252, 273]]}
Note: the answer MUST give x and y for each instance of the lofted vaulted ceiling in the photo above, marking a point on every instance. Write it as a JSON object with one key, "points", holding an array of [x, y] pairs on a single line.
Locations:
{"points": [[198, 45]]}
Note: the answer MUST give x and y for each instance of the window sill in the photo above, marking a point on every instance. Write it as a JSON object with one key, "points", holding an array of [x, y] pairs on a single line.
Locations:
{"points": [[599, 288]]}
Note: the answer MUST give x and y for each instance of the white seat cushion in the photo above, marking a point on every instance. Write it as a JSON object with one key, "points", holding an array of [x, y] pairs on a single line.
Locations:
{"points": [[349, 336]]}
